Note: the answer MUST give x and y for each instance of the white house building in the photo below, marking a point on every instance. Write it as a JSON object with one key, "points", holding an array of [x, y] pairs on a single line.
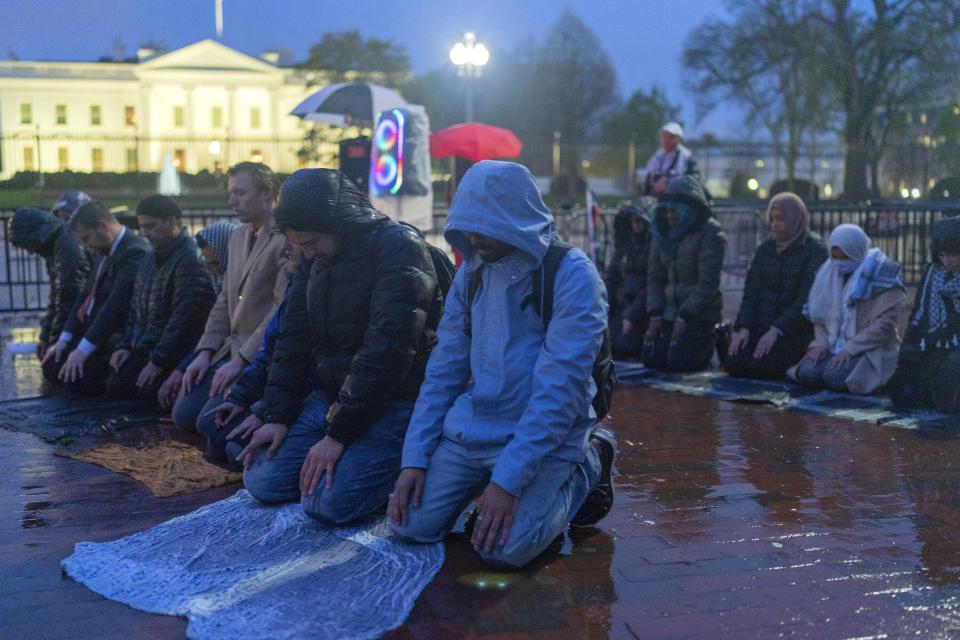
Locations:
{"points": [[207, 105]]}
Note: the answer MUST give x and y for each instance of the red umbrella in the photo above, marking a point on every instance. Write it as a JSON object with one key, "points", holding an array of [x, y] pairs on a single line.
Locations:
{"points": [[475, 142]]}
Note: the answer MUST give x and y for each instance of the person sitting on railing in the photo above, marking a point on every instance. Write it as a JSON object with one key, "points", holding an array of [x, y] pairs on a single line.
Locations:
{"points": [[928, 368], [770, 333], [626, 277], [99, 315], [854, 305], [683, 280], [67, 263], [171, 299]]}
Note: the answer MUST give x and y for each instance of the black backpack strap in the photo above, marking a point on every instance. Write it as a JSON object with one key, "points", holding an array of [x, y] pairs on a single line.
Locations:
{"points": [[545, 277], [474, 280]]}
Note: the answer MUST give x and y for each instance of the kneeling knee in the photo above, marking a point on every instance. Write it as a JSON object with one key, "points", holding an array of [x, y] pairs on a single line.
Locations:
{"points": [[411, 533], [262, 489], [509, 559]]}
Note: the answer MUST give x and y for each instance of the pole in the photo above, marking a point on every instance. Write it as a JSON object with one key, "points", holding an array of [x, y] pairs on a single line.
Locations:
{"points": [[40, 183], [469, 81], [556, 154]]}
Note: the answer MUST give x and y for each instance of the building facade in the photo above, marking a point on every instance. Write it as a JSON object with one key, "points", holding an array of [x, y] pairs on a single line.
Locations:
{"points": [[206, 106]]}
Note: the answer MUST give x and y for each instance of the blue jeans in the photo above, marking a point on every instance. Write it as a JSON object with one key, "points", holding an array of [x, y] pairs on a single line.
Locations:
{"points": [[362, 479], [187, 409], [218, 447], [544, 510], [818, 375]]}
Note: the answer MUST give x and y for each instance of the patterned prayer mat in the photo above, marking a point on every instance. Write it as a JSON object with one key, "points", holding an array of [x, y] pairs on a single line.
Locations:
{"points": [[167, 468], [61, 418]]}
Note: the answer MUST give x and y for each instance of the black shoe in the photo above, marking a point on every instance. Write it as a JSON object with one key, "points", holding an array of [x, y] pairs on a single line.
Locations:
{"points": [[600, 500]]}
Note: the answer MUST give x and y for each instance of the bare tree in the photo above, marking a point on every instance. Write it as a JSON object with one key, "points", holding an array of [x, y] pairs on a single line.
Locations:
{"points": [[762, 59], [880, 59]]}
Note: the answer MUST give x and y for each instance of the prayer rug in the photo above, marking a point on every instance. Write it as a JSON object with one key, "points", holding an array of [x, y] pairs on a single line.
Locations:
{"points": [[717, 384], [61, 418], [241, 569], [167, 468]]}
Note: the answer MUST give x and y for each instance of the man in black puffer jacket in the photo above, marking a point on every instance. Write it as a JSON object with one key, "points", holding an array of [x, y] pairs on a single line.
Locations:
{"points": [[171, 299], [67, 262], [361, 317]]}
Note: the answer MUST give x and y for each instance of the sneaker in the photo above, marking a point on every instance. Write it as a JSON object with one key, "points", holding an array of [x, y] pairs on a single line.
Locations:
{"points": [[600, 500]]}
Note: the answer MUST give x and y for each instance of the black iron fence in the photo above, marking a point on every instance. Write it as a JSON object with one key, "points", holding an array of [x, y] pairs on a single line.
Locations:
{"points": [[901, 230]]}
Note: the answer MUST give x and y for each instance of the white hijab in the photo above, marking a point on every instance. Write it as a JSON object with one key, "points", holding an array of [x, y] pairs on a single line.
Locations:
{"points": [[827, 304]]}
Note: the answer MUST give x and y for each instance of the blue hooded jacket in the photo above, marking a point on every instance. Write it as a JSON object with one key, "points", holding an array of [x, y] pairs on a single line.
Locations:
{"points": [[511, 391]]}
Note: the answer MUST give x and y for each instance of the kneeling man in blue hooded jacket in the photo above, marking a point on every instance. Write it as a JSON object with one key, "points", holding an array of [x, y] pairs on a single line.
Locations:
{"points": [[504, 416]]}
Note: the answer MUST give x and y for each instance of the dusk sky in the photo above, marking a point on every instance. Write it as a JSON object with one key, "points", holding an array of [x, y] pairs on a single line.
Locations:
{"points": [[642, 37]]}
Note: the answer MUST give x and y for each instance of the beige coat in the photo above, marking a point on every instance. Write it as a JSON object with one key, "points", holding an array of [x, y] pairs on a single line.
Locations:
{"points": [[876, 339], [253, 287]]}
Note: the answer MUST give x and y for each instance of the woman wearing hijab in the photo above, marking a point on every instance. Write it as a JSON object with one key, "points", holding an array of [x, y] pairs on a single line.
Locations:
{"points": [[212, 241], [928, 369], [684, 302], [854, 305], [770, 333]]}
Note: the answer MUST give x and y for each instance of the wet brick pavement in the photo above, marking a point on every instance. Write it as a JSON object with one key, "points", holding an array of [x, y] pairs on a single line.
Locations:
{"points": [[731, 521]]}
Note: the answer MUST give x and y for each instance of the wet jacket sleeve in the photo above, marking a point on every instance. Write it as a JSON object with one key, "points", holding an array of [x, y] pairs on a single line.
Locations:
{"points": [[112, 316], [399, 304], [656, 283], [282, 393], [448, 372], [562, 374], [751, 295], [249, 386], [192, 299], [708, 272], [792, 319], [72, 266]]}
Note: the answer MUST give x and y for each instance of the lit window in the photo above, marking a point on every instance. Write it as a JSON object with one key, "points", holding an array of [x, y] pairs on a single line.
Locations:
{"points": [[178, 117], [179, 159], [26, 113], [133, 160], [95, 119], [61, 114], [28, 158], [63, 159], [96, 159], [255, 118], [129, 116], [256, 155], [216, 117]]}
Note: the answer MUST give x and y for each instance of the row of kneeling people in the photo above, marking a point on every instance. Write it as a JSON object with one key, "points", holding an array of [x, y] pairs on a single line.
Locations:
{"points": [[336, 365], [824, 316]]}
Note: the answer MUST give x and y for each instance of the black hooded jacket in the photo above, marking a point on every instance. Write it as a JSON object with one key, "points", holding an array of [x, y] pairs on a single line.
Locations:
{"points": [[67, 263], [171, 299], [363, 322]]}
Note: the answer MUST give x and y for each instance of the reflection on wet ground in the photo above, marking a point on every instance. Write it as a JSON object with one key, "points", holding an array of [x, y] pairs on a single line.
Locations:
{"points": [[731, 521]]}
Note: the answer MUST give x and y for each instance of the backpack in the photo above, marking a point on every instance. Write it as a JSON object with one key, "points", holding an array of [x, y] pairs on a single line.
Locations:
{"points": [[604, 372], [442, 265]]}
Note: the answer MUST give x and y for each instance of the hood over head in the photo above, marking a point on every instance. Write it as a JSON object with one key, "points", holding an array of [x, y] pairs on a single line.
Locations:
{"points": [[688, 198], [70, 201], [32, 228], [945, 237], [500, 200], [325, 201]]}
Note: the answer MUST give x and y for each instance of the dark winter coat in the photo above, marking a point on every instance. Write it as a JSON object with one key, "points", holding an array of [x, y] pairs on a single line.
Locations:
{"points": [[363, 322], [108, 318], [683, 275], [171, 299], [778, 285], [67, 263]]}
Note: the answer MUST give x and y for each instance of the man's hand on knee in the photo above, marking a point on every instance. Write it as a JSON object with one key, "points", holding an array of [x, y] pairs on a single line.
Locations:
{"points": [[272, 434], [321, 458], [495, 512], [410, 482]]}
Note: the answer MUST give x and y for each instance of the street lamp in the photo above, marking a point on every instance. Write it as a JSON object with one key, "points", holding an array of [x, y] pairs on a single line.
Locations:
{"points": [[469, 56]]}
